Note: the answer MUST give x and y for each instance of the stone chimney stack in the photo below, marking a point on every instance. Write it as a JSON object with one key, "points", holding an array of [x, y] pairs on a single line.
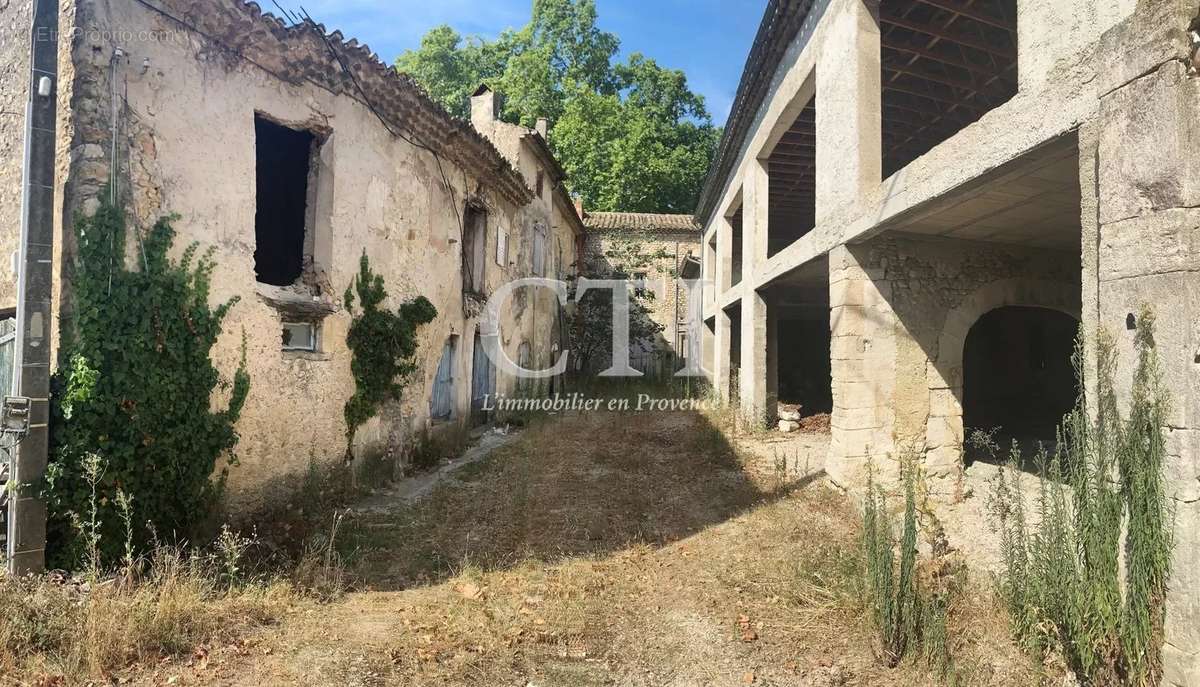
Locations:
{"points": [[542, 126], [579, 206], [485, 106]]}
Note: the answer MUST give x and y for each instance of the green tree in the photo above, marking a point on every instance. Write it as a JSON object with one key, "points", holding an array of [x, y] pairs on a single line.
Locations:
{"points": [[632, 136]]}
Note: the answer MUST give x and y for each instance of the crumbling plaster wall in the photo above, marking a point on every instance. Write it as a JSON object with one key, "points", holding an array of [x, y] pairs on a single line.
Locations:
{"points": [[188, 148], [900, 309], [1142, 247]]}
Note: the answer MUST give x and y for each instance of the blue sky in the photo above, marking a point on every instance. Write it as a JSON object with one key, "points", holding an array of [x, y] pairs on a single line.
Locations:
{"points": [[708, 39]]}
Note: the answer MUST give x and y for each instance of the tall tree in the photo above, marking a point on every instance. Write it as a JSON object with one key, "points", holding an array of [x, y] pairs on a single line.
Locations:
{"points": [[631, 136]]}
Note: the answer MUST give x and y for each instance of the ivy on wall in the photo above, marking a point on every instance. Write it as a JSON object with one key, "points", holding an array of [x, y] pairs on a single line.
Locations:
{"points": [[136, 391], [383, 345]]}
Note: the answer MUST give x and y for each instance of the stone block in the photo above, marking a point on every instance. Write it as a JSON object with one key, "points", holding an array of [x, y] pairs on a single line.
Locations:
{"points": [[1181, 653], [1154, 34], [944, 432], [1167, 241], [847, 347], [850, 395], [858, 418], [1176, 298], [944, 403], [1183, 465], [1149, 132]]}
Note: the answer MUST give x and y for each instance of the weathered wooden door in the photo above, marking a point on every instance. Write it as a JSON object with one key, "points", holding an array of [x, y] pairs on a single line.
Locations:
{"points": [[441, 406], [483, 383]]}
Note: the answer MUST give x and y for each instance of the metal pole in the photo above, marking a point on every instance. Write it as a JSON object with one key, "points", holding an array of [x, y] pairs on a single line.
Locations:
{"points": [[27, 515]]}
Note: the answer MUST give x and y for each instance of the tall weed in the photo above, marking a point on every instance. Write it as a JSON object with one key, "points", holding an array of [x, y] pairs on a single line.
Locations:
{"points": [[1087, 577]]}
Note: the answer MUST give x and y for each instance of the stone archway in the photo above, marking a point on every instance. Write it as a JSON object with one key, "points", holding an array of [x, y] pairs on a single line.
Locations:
{"points": [[944, 429]]}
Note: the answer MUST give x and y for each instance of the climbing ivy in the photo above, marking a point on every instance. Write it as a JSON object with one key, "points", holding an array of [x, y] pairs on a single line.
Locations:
{"points": [[382, 345], [136, 390]]}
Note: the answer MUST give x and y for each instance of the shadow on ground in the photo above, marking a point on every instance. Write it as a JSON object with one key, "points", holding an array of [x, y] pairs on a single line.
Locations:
{"points": [[578, 486]]}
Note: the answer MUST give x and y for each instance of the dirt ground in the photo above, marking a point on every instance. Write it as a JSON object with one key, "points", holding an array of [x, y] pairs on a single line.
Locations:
{"points": [[604, 549]]}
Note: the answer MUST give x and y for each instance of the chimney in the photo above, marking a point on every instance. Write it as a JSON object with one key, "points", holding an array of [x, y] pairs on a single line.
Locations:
{"points": [[485, 105], [579, 206], [542, 127]]}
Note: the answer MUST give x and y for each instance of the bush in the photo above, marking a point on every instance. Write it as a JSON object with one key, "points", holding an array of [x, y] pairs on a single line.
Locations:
{"points": [[1062, 577], [136, 391]]}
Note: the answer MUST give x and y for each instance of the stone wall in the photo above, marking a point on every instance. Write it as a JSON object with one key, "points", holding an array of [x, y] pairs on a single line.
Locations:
{"points": [[901, 307], [16, 18], [187, 146], [669, 305], [1142, 227]]}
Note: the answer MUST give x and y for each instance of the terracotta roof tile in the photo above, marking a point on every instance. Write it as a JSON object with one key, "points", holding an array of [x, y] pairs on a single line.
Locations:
{"points": [[639, 221], [308, 52]]}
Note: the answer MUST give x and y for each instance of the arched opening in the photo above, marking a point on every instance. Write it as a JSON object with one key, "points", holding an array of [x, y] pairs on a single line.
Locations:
{"points": [[1018, 378]]}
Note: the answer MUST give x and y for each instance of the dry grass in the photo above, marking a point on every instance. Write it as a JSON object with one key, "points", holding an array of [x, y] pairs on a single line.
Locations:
{"points": [[626, 549], [55, 631], [618, 549]]}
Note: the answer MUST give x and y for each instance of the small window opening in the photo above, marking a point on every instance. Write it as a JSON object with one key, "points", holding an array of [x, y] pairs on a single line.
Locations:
{"points": [[283, 158], [473, 246], [299, 336], [541, 179]]}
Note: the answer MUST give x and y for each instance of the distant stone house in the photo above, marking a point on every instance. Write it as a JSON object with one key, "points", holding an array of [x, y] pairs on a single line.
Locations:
{"points": [[672, 241], [292, 151]]}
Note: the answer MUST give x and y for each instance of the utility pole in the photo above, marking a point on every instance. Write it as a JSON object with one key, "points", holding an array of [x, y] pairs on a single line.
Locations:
{"points": [[27, 514]]}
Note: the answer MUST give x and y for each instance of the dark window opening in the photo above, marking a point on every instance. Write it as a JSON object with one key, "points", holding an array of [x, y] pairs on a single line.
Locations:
{"points": [[540, 182], [283, 158], [792, 166], [1018, 378], [943, 68], [474, 248]]}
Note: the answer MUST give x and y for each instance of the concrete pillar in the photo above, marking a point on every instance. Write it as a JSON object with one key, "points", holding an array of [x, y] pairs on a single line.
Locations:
{"points": [[849, 128], [720, 355], [752, 376], [724, 257], [772, 381], [755, 211]]}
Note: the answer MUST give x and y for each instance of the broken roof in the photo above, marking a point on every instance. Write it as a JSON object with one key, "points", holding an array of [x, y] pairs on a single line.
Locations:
{"points": [[780, 24], [306, 52], [639, 221]]}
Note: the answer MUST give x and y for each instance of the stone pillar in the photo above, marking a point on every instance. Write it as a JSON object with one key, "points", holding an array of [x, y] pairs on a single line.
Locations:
{"points": [[1147, 251], [849, 129], [864, 367]]}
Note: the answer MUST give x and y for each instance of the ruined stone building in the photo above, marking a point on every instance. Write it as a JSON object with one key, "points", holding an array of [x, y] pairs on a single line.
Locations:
{"points": [[292, 152], [919, 203], [663, 247]]}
